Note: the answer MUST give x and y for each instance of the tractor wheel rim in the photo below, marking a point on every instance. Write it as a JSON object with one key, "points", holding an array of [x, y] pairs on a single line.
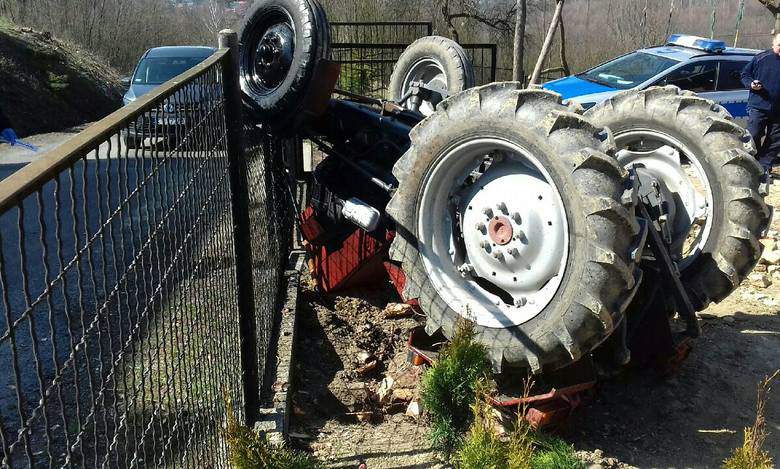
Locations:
{"points": [[274, 55], [267, 53], [430, 72], [666, 158], [493, 232]]}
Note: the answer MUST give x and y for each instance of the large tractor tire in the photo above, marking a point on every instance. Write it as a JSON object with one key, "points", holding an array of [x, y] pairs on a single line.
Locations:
{"points": [[512, 213], [435, 61], [706, 161], [281, 43]]}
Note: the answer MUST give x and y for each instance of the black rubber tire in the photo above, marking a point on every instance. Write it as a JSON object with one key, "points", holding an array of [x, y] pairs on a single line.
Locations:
{"points": [[579, 157], [457, 66], [281, 107], [725, 152]]}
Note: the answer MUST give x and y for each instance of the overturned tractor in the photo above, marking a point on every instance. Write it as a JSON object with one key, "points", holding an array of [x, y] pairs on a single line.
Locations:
{"points": [[559, 233]]}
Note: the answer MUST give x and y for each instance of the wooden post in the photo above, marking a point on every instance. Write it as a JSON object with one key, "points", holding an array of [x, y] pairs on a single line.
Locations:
{"points": [[518, 70], [547, 43]]}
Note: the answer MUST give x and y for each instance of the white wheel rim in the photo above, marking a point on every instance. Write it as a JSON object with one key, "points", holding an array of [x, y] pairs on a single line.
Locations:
{"points": [[429, 71], [684, 182], [513, 209]]}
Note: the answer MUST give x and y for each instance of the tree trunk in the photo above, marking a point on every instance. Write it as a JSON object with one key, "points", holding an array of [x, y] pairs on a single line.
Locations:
{"points": [[564, 62], [518, 70]]}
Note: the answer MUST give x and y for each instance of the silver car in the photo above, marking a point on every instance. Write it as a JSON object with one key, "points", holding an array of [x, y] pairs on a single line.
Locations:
{"points": [[157, 66]]}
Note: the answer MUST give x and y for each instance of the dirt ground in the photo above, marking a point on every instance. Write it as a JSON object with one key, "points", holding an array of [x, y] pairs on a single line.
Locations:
{"points": [[691, 419]]}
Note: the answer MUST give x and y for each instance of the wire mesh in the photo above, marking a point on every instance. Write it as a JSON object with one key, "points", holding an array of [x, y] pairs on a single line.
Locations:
{"points": [[366, 68], [119, 322]]}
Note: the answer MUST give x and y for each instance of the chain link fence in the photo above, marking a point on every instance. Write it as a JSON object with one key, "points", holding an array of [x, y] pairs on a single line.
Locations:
{"points": [[127, 327]]}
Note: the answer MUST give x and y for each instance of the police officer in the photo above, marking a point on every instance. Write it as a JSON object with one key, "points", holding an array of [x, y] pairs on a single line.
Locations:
{"points": [[762, 77], [6, 130]]}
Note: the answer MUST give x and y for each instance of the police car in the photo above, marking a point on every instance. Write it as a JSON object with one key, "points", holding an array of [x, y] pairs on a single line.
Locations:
{"points": [[704, 66]]}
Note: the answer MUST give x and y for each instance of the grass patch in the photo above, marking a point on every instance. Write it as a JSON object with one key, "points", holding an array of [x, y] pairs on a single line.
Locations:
{"points": [[449, 387], [554, 453], [248, 449], [751, 455], [522, 448]]}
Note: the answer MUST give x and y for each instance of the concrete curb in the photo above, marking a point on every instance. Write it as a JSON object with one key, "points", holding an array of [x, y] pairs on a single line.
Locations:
{"points": [[274, 419]]}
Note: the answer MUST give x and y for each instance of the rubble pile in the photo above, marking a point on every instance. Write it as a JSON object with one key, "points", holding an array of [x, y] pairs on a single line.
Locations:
{"points": [[767, 272]]}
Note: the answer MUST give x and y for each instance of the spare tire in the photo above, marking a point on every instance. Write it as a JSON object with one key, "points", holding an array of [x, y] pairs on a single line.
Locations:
{"points": [[706, 161], [435, 61], [281, 44], [510, 213]]}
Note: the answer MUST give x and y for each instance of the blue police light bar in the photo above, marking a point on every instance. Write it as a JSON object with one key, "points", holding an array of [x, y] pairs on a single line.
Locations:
{"points": [[696, 42]]}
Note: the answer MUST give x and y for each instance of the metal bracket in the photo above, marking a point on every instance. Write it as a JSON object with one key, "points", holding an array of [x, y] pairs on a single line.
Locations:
{"points": [[669, 271]]}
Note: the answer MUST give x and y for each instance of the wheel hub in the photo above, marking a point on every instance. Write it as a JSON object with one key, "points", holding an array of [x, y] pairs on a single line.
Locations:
{"points": [[687, 194], [500, 230], [493, 232], [518, 243], [429, 72], [274, 55]]}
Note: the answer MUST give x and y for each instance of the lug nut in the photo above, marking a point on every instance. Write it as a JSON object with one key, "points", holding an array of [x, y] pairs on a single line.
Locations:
{"points": [[485, 245], [498, 254], [514, 252], [520, 235], [488, 212], [517, 218], [480, 227], [502, 207], [466, 269], [520, 302]]}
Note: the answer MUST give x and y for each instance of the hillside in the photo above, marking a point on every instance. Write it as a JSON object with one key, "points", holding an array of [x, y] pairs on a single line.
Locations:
{"points": [[48, 85]]}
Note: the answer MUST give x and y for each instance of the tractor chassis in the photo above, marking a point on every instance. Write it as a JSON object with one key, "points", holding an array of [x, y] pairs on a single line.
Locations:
{"points": [[362, 138]]}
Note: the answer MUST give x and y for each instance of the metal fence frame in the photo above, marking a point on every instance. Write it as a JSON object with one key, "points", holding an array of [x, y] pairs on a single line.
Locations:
{"points": [[366, 68], [378, 32], [367, 52], [237, 149]]}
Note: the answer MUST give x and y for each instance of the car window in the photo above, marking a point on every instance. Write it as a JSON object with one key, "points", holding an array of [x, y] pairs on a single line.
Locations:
{"points": [[628, 71], [158, 70], [729, 75], [697, 76]]}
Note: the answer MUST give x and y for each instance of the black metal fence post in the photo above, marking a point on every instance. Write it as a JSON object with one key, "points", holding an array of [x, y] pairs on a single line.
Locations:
{"points": [[241, 232]]}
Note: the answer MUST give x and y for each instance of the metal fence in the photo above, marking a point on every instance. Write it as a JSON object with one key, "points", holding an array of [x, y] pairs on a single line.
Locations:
{"points": [[127, 321], [367, 53], [380, 32], [366, 68]]}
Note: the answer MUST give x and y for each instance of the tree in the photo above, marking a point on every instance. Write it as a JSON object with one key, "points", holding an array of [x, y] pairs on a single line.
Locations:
{"points": [[495, 15], [774, 7]]}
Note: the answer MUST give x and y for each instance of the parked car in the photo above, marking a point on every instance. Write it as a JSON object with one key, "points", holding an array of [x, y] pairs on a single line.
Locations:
{"points": [[157, 66], [705, 66]]}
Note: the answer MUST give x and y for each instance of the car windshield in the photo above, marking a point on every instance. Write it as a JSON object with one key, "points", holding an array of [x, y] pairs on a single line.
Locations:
{"points": [[628, 71], [158, 70]]}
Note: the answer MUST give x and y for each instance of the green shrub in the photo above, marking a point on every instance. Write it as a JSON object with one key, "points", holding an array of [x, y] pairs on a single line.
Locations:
{"points": [[482, 448], [449, 387], [248, 449]]}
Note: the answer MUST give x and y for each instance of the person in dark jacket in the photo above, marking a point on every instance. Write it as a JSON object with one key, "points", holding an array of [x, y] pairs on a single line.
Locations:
{"points": [[6, 129], [762, 77]]}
